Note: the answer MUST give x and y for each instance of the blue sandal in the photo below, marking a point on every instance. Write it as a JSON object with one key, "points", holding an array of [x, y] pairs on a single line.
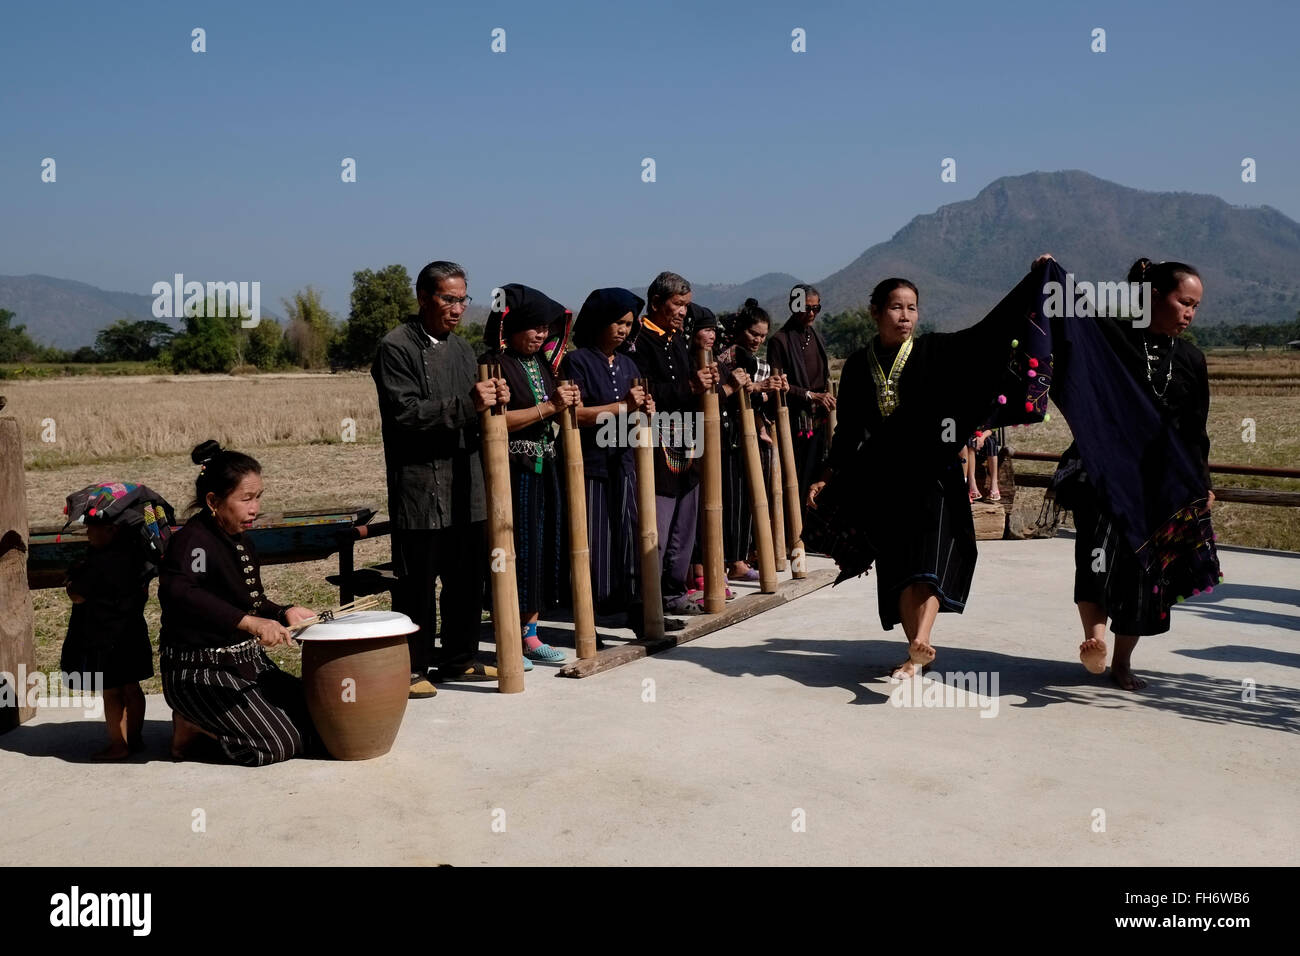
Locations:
{"points": [[545, 654]]}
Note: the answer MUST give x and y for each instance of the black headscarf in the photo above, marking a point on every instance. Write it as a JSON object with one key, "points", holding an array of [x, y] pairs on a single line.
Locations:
{"points": [[525, 308], [698, 317], [602, 309]]}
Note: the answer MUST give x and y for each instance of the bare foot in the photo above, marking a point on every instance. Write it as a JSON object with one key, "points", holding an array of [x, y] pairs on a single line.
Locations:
{"points": [[922, 655], [1125, 679], [904, 671], [919, 659], [112, 752], [1092, 653], [184, 734]]}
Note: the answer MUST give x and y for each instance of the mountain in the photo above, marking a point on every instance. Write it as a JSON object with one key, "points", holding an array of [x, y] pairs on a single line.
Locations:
{"points": [[769, 287], [965, 256], [64, 313]]}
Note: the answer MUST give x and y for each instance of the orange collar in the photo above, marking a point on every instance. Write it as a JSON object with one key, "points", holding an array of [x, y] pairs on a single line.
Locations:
{"points": [[662, 333]]}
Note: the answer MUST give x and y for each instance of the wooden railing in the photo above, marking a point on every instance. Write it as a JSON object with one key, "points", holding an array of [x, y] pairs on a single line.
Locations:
{"points": [[1250, 496]]}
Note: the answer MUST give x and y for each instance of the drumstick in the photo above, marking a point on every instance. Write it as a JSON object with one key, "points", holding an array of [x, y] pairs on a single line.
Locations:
{"points": [[336, 612]]}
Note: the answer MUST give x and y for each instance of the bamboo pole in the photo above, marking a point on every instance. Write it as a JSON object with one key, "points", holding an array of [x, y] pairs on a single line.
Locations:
{"points": [[757, 498], [501, 539], [715, 571], [790, 475], [652, 600], [17, 621], [584, 616], [777, 502]]}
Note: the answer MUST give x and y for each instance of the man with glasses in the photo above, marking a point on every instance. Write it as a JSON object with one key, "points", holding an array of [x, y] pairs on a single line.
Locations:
{"points": [[429, 400], [798, 352]]}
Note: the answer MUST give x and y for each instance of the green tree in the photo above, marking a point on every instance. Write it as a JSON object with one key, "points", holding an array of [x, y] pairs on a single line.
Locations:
{"points": [[131, 341], [207, 344], [380, 302], [472, 332], [309, 331], [846, 332], [15, 344], [261, 345]]}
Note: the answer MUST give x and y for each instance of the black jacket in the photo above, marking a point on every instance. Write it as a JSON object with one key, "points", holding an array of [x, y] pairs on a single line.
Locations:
{"points": [[209, 580], [431, 432]]}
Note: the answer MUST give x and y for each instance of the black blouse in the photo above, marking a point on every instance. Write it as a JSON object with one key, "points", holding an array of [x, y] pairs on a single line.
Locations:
{"points": [[209, 580]]}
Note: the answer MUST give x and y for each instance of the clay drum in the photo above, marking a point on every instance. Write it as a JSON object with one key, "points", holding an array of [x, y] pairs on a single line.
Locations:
{"points": [[356, 674]]}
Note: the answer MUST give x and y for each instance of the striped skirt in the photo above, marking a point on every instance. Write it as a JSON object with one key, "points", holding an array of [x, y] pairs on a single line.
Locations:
{"points": [[257, 712], [541, 565], [1108, 573], [611, 530]]}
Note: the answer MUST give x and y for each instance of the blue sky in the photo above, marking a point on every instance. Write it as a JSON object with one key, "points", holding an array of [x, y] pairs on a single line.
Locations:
{"points": [[525, 166]]}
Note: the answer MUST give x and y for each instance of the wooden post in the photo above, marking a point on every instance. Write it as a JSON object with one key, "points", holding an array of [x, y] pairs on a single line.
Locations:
{"points": [[790, 475], [501, 540], [17, 623], [584, 616], [777, 503], [715, 570], [652, 598], [757, 497]]}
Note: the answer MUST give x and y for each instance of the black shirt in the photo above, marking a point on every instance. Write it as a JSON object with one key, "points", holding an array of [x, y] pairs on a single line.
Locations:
{"points": [[431, 432], [209, 580]]}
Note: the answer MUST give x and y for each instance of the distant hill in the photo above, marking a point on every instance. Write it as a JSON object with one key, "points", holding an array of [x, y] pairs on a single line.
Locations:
{"points": [[966, 255], [771, 286], [64, 313]]}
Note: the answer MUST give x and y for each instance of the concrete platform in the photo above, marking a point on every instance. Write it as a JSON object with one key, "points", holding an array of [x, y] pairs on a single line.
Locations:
{"points": [[771, 742]]}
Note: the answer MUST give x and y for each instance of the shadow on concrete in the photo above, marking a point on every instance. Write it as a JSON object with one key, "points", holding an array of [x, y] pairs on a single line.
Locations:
{"points": [[851, 665], [1243, 654], [73, 741], [1210, 606]]}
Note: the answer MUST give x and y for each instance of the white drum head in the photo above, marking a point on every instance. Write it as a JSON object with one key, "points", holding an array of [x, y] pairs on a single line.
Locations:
{"points": [[358, 626]]}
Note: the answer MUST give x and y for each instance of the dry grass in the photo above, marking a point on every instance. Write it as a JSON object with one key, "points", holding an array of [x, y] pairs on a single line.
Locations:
{"points": [[123, 419]]}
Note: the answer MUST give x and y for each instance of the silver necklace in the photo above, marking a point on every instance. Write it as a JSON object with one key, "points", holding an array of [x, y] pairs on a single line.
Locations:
{"points": [[1159, 393]]}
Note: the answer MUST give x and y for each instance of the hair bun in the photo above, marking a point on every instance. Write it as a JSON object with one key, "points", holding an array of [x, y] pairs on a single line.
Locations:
{"points": [[750, 305], [205, 452]]}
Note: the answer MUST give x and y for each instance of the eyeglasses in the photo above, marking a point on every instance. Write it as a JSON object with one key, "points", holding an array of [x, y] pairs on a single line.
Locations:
{"points": [[812, 309], [454, 299]]}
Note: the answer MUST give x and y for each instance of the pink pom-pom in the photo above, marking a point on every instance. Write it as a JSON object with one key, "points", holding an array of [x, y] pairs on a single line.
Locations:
{"points": [[1033, 374], [1155, 589], [1029, 406], [1163, 615], [1002, 399], [1033, 363], [91, 512], [1210, 589], [1195, 591]]}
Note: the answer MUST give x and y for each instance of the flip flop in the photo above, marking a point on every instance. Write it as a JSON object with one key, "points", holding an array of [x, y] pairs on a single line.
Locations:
{"points": [[992, 497]]}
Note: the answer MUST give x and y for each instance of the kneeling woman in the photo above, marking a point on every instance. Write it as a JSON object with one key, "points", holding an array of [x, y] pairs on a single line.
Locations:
{"points": [[216, 619]]}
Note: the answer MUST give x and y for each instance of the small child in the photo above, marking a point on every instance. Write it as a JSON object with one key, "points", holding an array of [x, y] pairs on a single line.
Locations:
{"points": [[107, 632], [982, 446]]}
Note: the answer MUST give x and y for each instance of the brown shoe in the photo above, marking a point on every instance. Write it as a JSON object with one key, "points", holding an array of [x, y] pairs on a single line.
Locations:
{"points": [[421, 687]]}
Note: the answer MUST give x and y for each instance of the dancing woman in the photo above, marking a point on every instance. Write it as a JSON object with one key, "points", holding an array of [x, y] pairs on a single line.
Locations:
{"points": [[1111, 580], [894, 491]]}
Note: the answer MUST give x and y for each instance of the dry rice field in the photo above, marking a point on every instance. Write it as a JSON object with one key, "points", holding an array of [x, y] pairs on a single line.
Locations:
{"points": [[84, 429]]}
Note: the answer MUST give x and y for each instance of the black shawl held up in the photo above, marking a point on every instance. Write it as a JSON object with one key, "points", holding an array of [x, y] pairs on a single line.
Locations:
{"points": [[1000, 372]]}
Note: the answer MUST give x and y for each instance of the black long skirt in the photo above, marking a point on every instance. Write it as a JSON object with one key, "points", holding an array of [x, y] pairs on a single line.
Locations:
{"points": [[927, 539], [1108, 573]]}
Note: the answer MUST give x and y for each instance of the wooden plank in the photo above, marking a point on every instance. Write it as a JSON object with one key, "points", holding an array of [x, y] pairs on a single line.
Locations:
{"points": [[696, 627], [17, 622]]}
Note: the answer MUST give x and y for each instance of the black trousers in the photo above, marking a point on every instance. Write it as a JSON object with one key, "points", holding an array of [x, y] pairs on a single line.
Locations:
{"points": [[457, 556]]}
